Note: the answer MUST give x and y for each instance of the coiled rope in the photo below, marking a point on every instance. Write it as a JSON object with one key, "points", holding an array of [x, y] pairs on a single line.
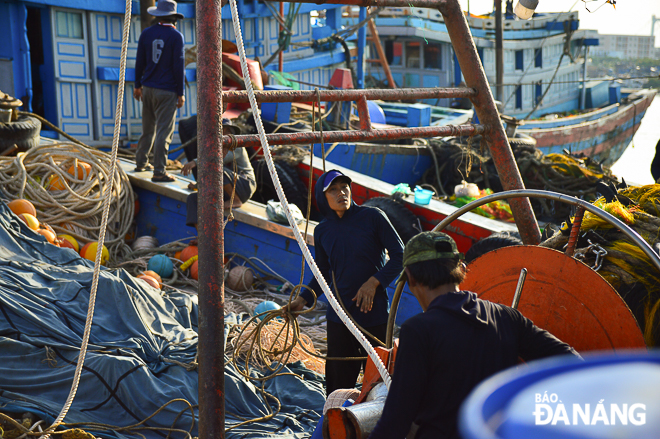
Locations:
{"points": [[55, 178], [107, 194], [280, 193]]}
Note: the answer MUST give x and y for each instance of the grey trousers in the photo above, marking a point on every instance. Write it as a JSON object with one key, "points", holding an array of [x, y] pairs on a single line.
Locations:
{"points": [[158, 117]]}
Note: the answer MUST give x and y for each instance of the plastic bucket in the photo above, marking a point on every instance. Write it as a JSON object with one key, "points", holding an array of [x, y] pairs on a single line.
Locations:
{"points": [[604, 397], [422, 196]]}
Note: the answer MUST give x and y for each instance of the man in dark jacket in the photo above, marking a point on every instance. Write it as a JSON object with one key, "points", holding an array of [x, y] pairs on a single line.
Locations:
{"points": [[159, 80], [457, 342], [350, 246]]}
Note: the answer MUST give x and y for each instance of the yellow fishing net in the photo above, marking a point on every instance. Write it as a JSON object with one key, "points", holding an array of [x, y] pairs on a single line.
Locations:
{"points": [[626, 266]]}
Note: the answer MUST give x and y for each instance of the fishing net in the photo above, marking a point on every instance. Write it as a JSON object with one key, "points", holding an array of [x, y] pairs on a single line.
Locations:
{"points": [[469, 159], [263, 345], [622, 263]]}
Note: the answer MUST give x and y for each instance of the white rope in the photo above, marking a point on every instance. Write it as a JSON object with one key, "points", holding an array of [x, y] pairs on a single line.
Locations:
{"points": [[106, 210], [280, 193]]}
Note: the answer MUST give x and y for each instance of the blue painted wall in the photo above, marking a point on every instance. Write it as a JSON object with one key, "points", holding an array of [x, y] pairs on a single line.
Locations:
{"points": [[15, 47]]}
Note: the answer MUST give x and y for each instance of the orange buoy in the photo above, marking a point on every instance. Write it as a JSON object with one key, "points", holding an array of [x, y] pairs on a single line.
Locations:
{"points": [[188, 252], [177, 255], [56, 183], [154, 275], [194, 270], [84, 170], [22, 206], [150, 280], [50, 236], [89, 252], [68, 241], [30, 220]]}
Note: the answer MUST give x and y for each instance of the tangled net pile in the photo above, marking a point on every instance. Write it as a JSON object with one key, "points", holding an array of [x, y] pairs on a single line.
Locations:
{"points": [[273, 342], [468, 159], [625, 266], [65, 182]]}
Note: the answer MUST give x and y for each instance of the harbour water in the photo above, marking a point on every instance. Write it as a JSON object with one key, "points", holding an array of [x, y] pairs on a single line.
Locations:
{"points": [[635, 164]]}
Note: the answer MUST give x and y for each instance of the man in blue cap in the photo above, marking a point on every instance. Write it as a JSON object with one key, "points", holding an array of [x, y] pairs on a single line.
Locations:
{"points": [[350, 245], [159, 84], [457, 342]]}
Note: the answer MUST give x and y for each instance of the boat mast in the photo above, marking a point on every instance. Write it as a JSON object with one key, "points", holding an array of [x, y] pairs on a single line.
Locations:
{"points": [[499, 53], [362, 42], [583, 94], [211, 346]]}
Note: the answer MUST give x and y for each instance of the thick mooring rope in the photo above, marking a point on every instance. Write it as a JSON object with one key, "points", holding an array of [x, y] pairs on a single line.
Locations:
{"points": [[70, 202]]}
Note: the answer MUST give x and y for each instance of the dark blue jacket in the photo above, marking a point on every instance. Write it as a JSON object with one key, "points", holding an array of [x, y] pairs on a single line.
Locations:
{"points": [[353, 247], [445, 352], [160, 59]]}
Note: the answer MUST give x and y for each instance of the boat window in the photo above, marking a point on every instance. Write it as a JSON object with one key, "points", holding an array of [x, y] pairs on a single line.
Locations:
{"points": [[394, 52], [413, 54], [519, 60], [69, 24], [538, 57], [433, 56]]}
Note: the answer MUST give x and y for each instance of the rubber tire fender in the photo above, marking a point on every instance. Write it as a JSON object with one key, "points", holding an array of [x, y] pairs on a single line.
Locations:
{"points": [[402, 219], [294, 188], [24, 133], [490, 243], [520, 139]]}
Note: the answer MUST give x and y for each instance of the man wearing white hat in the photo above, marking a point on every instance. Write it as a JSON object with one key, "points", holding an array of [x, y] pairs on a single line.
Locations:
{"points": [[159, 84]]}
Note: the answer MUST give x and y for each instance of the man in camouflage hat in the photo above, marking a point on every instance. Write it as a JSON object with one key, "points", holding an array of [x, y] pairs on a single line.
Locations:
{"points": [[457, 342]]}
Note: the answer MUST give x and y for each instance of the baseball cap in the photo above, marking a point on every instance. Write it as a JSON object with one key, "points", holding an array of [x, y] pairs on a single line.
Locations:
{"points": [[332, 176], [427, 246]]}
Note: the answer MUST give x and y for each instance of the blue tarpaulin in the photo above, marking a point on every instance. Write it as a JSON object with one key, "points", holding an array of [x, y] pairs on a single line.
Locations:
{"points": [[140, 341]]}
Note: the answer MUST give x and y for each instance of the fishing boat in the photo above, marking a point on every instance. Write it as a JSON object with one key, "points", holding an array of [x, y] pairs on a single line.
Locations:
{"points": [[602, 134], [170, 349], [544, 78]]}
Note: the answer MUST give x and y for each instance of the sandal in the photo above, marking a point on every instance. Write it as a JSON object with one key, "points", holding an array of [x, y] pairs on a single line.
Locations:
{"points": [[147, 167], [192, 186], [163, 178]]}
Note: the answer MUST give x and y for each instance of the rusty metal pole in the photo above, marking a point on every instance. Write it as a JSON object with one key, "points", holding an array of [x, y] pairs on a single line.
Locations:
{"points": [[210, 217], [484, 105], [363, 114]]}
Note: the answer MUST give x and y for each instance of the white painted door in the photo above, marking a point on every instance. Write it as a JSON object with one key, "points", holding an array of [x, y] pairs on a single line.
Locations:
{"points": [[72, 73]]}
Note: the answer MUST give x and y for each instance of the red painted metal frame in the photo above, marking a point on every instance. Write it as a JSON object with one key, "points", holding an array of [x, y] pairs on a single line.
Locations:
{"points": [[211, 290], [363, 113], [240, 96], [211, 347], [308, 137]]}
